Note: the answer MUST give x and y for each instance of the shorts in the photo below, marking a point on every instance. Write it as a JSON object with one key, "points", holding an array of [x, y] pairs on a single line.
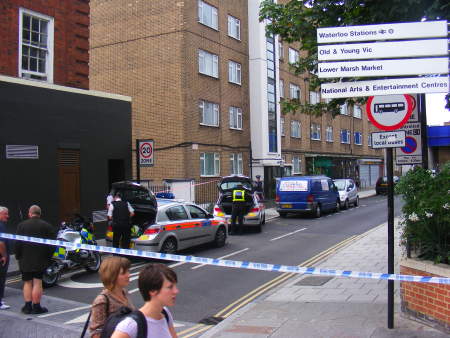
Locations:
{"points": [[30, 275]]}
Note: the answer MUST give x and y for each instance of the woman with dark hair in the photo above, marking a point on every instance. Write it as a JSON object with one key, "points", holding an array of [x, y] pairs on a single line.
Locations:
{"points": [[158, 287], [115, 275]]}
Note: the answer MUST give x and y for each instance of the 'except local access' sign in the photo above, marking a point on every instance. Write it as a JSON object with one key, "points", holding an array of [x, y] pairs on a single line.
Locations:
{"points": [[391, 49], [389, 139], [385, 87], [383, 67], [393, 31], [389, 112]]}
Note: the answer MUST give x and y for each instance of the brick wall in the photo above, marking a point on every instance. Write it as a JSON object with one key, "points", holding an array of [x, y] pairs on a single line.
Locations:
{"points": [[71, 38], [429, 302]]}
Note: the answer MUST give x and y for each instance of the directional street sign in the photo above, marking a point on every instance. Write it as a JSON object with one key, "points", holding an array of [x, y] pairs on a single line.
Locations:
{"points": [[391, 139], [389, 112], [383, 67], [392, 31], [411, 153], [356, 51], [385, 87]]}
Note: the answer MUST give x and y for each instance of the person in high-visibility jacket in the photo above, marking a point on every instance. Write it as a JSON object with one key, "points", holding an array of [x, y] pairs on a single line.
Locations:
{"points": [[238, 210]]}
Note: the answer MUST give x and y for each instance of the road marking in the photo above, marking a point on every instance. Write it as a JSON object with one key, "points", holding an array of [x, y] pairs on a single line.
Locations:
{"points": [[65, 311], [200, 330], [226, 256], [288, 234]]}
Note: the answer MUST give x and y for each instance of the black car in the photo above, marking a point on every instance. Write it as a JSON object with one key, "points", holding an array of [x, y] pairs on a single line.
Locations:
{"points": [[381, 187], [141, 199]]}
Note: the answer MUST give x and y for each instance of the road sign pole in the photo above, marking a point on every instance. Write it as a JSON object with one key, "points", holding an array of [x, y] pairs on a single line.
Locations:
{"points": [[423, 128], [389, 167], [138, 168]]}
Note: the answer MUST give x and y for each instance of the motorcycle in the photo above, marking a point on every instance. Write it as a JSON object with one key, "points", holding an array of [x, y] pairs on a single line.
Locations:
{"points": [[77, 231]]}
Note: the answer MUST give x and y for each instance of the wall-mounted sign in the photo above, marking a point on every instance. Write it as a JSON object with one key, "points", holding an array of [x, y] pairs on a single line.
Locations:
{"points": [[146, 153], [389, 112]]}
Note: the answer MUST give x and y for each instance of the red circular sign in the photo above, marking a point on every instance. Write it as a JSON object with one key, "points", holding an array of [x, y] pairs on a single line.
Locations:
{"points": [[146, 150], [389, 112]]}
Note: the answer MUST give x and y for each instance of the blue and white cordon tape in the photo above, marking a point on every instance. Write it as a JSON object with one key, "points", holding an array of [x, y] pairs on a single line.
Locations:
{"points": [[233, 264]]}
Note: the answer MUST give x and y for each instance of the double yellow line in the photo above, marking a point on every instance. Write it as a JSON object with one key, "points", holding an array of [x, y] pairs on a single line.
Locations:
{"points": [[244, 300]]}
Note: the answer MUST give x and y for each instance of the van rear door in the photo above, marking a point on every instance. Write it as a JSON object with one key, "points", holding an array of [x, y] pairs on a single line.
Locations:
{"points": [[293, 193]]}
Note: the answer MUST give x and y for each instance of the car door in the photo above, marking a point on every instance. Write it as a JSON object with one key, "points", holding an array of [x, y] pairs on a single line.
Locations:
{"points": [[332, 194], [202, 230], [179, 224]]}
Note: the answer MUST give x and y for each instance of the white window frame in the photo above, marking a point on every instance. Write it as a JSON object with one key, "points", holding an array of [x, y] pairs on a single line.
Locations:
{"points": [[315, 132], [234, 27], [344, 109], [235, 118], [234, 72], [347, 133], [206, 108], [294, 55], [357, 111], [206, 59], [369, 140], [236, 163], [47, 76], [281, 84], [329, 132], [314, 97], [282, 126], [357, 137], [216, 164], [208, 19], [280, 51], [294, 91], [296, 126], [296, 165]]}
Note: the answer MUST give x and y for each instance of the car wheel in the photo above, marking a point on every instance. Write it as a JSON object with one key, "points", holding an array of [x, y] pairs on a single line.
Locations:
{"points": [[357, 201], [338, 206], [221, 237], [283, 214], [318, 211], [169, 246], [258, 228], [346, 204], [264, 219], [51, 275], [94, 262]]}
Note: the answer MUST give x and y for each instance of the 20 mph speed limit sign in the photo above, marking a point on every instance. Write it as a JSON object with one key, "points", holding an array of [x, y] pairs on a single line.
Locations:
{"points": [[146, 153], [389, 112]]}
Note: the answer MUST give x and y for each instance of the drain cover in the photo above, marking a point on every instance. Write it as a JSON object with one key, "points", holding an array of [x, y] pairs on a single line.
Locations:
{"points": [[314, 281], [211, 320]]}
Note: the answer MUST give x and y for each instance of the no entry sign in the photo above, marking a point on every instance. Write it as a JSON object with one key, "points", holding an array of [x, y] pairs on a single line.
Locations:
{"points": [[146, 149], [389, 112]]}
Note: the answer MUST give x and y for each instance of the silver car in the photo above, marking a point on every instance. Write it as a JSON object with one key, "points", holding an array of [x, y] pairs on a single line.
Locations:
{"points": [[180, 225], [348, 192]]}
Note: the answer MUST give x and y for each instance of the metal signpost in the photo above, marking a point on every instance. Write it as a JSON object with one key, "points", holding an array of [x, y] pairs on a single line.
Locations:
{"points": [[388, 113]]}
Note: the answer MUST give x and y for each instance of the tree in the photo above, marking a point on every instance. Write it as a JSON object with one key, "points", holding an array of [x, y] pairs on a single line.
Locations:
{"points": [[298, 20]]}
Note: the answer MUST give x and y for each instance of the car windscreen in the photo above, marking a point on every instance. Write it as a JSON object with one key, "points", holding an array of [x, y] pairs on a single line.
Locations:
{"points": [[231, 185], [294, 185], [340, 184]]}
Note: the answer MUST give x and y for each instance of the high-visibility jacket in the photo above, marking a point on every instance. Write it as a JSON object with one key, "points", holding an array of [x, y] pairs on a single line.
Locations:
{"points": [[238, 195]]}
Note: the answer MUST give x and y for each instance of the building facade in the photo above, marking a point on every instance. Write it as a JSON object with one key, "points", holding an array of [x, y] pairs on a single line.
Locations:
{"points": [[206, 83], [60, 146]]}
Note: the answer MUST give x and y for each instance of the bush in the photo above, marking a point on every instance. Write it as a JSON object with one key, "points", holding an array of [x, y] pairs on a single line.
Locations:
{"points": [[427, 212]]}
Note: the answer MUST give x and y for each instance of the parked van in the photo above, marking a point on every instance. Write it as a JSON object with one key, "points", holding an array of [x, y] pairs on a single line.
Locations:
{"points": [[306, 194]]}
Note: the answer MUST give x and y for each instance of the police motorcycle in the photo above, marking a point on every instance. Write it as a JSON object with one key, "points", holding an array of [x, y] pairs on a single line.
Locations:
{"points": [[76, 231]]}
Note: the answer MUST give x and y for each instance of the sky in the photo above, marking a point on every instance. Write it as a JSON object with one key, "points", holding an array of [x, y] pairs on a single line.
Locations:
{"points": [[436, 112]]}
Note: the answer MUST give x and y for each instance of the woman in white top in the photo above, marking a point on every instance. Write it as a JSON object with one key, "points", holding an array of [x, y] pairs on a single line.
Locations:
{"points": [[158, 286]]}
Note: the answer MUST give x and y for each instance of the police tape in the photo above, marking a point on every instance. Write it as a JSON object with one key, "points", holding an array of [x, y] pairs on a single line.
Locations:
{"points": [[231, 263]]}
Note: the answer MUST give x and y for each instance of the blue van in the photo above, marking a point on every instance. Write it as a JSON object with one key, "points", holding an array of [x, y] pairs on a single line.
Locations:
{"points": [[306, 194]]}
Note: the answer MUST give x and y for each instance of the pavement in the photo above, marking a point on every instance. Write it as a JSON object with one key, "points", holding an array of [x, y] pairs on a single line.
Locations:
{"points": [[304, 306]]}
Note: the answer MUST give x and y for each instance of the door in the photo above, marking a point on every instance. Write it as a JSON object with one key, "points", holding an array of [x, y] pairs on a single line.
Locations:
{"points": [[203, 229], [69, 183]]}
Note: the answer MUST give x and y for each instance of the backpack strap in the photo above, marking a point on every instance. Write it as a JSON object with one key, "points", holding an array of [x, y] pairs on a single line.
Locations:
{"points": [[107, 305], [139, 318], [166, 315]]}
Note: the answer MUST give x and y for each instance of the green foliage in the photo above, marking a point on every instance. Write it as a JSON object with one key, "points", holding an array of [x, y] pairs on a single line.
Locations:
{"points": [[427, 212], [298, 20]]}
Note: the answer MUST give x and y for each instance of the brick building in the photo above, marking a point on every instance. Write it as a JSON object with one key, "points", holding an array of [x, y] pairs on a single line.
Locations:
{"points": [[206, 83], [56, 148]]}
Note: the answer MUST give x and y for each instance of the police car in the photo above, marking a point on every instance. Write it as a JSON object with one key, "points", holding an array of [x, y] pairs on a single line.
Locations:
{"points": [[179, 225]]}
